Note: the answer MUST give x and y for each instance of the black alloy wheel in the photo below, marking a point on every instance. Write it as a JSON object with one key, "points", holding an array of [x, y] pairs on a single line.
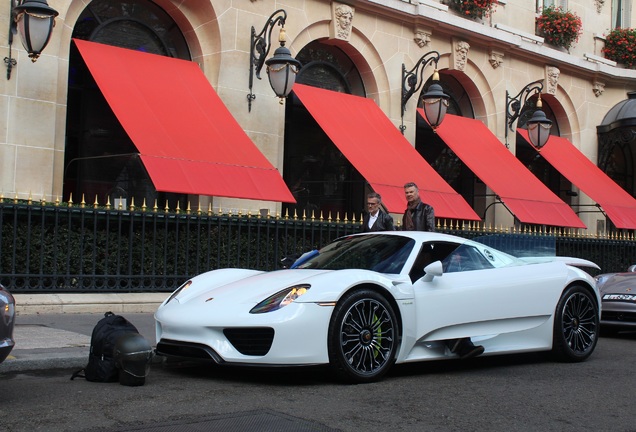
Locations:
{"points": [[576, 325], [363, 337]]}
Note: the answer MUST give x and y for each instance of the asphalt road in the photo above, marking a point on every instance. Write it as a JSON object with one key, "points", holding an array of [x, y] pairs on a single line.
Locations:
{"points": [[509, 393]]}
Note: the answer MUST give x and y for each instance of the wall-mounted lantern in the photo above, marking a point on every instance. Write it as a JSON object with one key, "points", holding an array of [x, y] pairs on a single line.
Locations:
{"points": [[33, 20], [281, 68], [539, 125], [435, 100]]}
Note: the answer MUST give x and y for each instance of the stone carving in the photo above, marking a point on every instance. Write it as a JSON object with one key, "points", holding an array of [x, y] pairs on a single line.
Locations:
{"points": [[496, 58], [552, 78], [599, 5], [342, 20], [422, 37], [461, 55], [598, 88]]}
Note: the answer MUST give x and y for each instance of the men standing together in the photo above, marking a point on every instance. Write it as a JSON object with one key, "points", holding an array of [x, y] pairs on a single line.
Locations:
{"points": [[418, 216]]}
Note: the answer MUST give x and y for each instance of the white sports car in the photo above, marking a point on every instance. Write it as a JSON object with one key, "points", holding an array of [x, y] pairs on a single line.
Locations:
{"points": [[367, 301]]}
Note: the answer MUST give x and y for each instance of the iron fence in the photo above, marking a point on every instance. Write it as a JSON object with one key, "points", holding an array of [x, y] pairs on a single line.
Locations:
{"points": [[48, 247]]}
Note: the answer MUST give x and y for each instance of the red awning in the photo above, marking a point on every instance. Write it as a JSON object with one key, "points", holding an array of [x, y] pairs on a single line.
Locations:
{"points": [[521, 192], [619, 205], [375, 147], [187, 139]]}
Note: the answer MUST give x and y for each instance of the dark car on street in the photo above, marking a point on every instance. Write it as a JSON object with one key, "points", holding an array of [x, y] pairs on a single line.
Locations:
{"points": [[7, 321], [618, 297]]}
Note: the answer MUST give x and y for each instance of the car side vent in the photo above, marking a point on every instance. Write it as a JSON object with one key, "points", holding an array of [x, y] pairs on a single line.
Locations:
{"points": [[252, 341]]}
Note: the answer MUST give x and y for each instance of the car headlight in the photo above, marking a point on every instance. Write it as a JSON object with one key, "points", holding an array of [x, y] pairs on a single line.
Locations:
{"points": [[601, 279], [280, 299], [179, 290]]}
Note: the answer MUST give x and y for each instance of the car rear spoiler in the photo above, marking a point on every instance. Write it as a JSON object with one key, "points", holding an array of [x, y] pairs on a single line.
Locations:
{"points": [[575, 262]]}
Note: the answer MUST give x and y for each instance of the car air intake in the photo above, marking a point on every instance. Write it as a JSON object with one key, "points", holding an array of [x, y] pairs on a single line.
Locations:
{"points": [[252, 341]]}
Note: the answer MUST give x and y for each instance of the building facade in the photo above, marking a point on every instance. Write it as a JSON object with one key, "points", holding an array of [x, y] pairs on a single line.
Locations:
{"points": [[61, 139]]}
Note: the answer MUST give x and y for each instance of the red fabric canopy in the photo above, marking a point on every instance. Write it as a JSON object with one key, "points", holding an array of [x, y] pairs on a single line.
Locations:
{"points": [[619, 206], [375, 147], [522, 193], [187, 139]]}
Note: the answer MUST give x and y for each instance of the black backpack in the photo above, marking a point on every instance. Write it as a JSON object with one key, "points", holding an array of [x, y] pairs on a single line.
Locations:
{"points": [[101, 363]]}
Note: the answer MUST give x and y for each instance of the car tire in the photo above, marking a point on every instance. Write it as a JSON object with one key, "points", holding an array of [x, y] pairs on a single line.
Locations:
{"points": [[363, 337], [576, 325]]}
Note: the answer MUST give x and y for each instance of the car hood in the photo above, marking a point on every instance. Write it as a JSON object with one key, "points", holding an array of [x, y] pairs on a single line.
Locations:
{"points": [[242, 286], [620, 283], [249, 287]]}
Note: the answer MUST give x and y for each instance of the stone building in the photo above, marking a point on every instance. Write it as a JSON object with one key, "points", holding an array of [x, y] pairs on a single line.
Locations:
{"points": [[72, 129]]}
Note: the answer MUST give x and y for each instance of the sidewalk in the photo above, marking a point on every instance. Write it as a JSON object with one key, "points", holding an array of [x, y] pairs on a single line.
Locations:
{"points": [[53, 331]]}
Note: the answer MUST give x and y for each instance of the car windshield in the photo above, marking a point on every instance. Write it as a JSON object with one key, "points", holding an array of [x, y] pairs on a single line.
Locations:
{"points": [[380, 253]]}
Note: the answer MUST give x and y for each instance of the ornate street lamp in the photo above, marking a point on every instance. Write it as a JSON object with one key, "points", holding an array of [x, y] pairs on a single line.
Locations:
{"points": [[539, 125], [435, 101], [33, 20], [281, 68]]}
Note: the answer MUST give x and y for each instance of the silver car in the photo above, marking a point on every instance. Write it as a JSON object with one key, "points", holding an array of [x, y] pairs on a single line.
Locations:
{"points": [[618, 297], [7, 321]]}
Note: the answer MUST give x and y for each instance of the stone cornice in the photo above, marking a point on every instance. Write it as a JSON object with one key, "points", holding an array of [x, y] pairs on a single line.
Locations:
{"points": [[515, 42]]}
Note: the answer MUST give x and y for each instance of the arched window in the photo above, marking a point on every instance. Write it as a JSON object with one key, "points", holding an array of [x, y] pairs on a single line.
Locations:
{"points": [[317, 173], [101, 162], [617, 143]]}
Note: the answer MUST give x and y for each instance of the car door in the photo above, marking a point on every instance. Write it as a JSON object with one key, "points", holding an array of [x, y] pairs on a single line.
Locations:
{"points": [[482, 300]]}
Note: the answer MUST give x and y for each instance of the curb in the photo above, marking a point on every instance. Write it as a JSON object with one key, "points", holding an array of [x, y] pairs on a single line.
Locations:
{"points": [[29, 304], [65, 358]]}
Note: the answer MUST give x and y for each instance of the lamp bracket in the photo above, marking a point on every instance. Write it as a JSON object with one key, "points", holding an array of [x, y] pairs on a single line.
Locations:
{"points": [[515, 104], [10, 61], [260, 45]]}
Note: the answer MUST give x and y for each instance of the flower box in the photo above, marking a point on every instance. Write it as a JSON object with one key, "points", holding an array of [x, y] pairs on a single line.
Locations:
{"points": [[620, 46], [559, 27], [473, 8]]}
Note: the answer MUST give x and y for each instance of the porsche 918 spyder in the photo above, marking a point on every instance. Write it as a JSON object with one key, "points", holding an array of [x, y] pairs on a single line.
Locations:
{"points": [[367, 301]]}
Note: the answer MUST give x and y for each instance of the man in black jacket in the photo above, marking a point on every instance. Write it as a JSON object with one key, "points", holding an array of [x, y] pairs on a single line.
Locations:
{"points": [[420, 216], [375, 219]]}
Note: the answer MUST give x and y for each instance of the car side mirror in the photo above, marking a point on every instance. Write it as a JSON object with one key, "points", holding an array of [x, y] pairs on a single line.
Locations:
{"points": [[433, 269]]}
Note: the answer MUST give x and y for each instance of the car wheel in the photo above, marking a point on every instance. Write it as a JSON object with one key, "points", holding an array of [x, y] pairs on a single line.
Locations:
{"points": [[363, 337], [576, 325]]}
